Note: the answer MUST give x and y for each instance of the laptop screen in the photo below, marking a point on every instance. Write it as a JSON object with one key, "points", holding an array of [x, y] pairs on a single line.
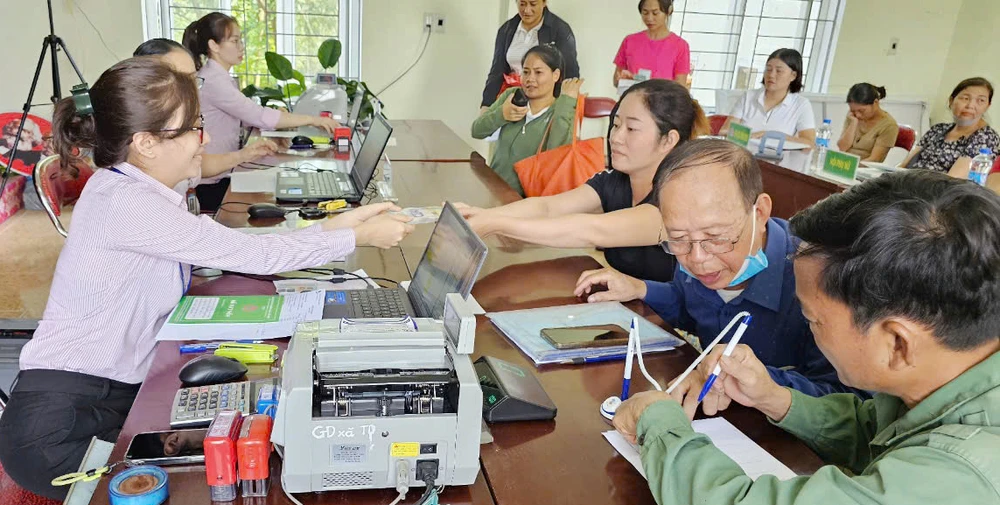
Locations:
{"points": [[359, 98], [450, 264], [370, 152]]}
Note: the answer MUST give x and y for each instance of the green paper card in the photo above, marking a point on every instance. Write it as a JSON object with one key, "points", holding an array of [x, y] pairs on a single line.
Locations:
{"points": [[840, 165], [739, 134], [227, 309]]}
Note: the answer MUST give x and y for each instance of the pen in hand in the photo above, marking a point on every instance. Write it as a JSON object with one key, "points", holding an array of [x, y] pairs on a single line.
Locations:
{"points": [[727, 352]]}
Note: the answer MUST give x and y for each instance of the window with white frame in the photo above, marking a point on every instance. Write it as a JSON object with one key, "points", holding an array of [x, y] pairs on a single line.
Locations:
{"points": [[728, 36], [292, 28]]}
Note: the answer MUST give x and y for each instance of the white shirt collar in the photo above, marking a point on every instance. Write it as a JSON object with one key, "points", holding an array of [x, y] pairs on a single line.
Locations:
{"points": [[789, 97], [522, 30]]}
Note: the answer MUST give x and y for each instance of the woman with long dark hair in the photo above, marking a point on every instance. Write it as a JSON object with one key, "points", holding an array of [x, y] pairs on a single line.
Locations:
{"points": [[778, 106], [127, 262], [614, 210]]}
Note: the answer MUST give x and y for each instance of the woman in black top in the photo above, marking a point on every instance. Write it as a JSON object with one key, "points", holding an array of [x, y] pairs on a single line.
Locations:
{"points": [[613, 210], [533, 25]]}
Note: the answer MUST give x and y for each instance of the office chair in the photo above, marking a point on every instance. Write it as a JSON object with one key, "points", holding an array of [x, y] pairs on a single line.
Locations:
{"points": [[906, 138], [54, 189], [717, 121], [598, 107]]}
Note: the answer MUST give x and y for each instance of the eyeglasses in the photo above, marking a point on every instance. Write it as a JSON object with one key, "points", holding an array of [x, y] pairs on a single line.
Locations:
{"points": [[200, 81], [710, 245], [200, 129]]}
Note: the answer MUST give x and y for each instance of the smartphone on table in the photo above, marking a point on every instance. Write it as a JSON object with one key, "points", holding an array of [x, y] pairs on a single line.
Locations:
{"points": [[577, 337], [173, 447]]}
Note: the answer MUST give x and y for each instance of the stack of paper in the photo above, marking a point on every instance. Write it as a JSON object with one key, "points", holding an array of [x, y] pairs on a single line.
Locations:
{"points": [[241, 317], [524, 329], [752, 458]]}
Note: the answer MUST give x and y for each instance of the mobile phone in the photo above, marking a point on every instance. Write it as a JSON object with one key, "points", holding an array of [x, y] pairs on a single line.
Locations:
{"points": [[174, 447], [604, 335]]}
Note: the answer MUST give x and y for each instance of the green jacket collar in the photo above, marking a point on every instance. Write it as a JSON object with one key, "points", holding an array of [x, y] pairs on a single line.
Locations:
{"points": [[972, 398]]}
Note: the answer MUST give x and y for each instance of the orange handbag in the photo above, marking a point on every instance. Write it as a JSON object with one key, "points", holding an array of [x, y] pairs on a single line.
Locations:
{"points": [[563, 168]]}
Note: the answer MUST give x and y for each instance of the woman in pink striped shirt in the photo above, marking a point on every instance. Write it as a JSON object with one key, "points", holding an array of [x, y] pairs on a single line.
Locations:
{"points": [[127, 262], [217, 45]]}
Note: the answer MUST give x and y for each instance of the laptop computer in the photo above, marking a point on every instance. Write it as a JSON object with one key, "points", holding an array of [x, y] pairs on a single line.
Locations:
{"points": [[330, 185], [450, 264]]}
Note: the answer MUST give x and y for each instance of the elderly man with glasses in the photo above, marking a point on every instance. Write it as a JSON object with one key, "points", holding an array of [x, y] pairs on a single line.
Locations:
{"points": [[732, 257]]}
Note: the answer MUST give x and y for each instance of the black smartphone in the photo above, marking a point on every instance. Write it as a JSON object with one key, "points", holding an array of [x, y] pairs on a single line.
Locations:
{"points": [[519, 99], [175, 447], [604, 335]]}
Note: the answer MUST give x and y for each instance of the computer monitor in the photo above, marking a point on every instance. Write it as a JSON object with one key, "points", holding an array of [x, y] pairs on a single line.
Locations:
{"points": [[450, 264], [371, 150]]}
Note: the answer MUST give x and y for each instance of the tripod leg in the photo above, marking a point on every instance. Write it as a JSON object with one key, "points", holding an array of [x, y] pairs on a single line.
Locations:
{"points": [[12, 154], [56, 87], [70, 58]]}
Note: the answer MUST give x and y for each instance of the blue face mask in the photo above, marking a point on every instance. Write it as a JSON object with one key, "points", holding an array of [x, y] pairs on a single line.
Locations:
{"points": [[752, 265]]}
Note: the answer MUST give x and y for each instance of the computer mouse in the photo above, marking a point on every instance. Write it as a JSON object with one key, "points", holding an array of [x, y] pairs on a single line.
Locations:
{"points": [[211, 369], [266, 211], [301, 142]]}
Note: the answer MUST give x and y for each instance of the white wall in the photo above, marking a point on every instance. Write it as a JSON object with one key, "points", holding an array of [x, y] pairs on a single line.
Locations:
{"points": [[973, 52], [924, 28], [25, 25]]}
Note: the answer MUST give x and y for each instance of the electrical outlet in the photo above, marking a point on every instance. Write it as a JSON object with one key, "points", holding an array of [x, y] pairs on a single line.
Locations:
{"points": [[435, 22]]}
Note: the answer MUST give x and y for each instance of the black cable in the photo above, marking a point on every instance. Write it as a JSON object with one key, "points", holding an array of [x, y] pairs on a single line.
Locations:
{"points": [[222, 207], [427, 492], [339, 272]]}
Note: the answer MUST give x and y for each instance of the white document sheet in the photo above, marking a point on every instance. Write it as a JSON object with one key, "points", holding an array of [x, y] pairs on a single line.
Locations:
{"points": [[297, 308], [752, 458]]}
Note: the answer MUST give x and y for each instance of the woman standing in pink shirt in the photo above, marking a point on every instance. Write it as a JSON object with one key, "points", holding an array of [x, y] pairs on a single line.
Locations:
{"points": [[216, 43], [657, 50], [127, 263]]}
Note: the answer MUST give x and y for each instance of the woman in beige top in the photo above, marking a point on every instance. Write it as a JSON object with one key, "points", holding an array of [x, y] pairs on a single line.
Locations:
{"points": [[869, 131]]}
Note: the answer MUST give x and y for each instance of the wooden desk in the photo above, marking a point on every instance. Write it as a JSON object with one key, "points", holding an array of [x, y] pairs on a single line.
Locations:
{"points": [[791, 190], [562, 461], [426, 140], [567, 460]]}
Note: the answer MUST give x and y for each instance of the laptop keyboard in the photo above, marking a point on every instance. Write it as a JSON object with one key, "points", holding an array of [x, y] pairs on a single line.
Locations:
{"points": [[378, 303], [326, 183]]}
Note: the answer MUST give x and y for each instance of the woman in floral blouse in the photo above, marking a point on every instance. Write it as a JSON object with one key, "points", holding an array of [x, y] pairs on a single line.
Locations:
{"points": [[950, 147]]}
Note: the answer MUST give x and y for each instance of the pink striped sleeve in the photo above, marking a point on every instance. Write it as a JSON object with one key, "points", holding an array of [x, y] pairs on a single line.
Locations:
{"points": [[228, 98], [169, 232]]}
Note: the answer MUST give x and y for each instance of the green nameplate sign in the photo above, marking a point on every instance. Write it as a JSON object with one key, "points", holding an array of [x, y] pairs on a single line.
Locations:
{"points": [[739, 134], [840, 165]]}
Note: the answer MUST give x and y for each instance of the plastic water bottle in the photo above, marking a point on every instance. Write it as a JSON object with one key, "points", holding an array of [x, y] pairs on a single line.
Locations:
{"points": [[982, 164], [823, 135]]}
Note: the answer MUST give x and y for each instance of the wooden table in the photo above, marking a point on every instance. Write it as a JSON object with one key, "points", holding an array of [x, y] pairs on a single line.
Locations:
{"points": [[793, 190], [426, 140], [561, 461]]}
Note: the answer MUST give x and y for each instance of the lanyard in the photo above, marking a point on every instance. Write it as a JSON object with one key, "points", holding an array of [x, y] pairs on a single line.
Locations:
{"points": [[180, 266]]}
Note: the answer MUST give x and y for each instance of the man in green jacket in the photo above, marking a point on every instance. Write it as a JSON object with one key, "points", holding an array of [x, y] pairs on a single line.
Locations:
{"points": [[899, 278]]}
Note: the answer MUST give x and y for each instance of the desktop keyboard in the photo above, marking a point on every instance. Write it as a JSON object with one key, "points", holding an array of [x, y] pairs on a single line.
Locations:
{"points": [[369, 303], [326, 183], [195, 407]]}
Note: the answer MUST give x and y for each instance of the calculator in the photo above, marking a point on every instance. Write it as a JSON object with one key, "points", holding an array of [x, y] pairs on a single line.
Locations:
{"points": [[197, 406]]}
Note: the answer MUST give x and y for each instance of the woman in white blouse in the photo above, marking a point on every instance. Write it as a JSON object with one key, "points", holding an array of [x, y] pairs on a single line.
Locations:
{"points": [[778, 106]]}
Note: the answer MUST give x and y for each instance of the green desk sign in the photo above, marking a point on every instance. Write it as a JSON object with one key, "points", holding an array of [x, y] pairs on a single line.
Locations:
{"points": [[739, 134], [840, 165]]}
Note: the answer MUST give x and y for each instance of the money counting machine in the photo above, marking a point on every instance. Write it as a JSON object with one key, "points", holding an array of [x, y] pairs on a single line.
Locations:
{"points": [[368, 403]]}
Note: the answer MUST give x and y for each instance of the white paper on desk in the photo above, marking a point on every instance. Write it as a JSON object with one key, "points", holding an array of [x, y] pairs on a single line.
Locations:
{"points": [[254, 181], [752, 458], [297, 308]]}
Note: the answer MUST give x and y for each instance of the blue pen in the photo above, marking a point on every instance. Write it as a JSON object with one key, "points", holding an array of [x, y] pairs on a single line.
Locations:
{"points": [[727, 352], [633, 334], [593, 359], [196, 348]]}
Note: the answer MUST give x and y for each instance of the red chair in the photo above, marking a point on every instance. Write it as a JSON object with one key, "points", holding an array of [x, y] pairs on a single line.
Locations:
{"points": [[56, 188], [717, 121], [906, 138], [13, 494], [598, 107]]}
